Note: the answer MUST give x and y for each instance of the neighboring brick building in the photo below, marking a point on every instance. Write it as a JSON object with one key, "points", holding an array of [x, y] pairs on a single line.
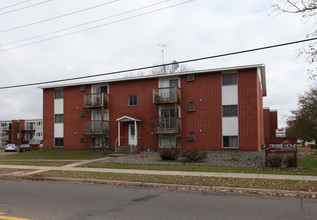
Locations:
{"points": [[209, 109], [270, 123], [20, 131]]}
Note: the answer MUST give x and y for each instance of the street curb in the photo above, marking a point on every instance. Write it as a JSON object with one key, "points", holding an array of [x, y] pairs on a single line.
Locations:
{"points": [[305, 194]]}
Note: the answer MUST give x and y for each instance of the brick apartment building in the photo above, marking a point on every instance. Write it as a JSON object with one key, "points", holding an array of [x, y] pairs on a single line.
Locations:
{"points": [[20, 131], [212, 109], [270, 123]]}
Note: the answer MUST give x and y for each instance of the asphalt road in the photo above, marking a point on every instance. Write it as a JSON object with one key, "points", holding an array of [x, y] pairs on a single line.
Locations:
{"points": [[74, 201]]}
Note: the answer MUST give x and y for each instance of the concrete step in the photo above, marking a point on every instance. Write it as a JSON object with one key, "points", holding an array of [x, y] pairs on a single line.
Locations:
{"points": [[123, 150]]}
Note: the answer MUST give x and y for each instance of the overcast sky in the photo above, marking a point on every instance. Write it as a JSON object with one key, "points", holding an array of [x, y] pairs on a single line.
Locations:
{"points": [[128, 40]]}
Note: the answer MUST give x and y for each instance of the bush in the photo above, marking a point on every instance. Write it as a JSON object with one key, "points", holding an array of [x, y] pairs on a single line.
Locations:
{"points": [[169, 153], [290, 161], [275, 160], [194, 155]]}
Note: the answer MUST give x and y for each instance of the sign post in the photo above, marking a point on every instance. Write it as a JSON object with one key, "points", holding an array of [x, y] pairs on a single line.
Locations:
{"points": [[280, 145]]}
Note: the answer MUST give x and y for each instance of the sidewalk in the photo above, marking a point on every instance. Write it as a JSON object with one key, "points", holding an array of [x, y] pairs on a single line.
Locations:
{"points": [[72, 167]]}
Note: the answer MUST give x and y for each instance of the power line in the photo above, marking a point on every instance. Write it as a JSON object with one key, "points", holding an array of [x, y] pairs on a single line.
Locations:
{"points": [[150, 67], [29, 6], [19, 3], [83, 24], [97, 26], [60, 16]]}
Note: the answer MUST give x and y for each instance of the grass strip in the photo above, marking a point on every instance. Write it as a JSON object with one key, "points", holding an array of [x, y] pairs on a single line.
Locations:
{"points": [[305, 149], [190, 180], [59, 154], [306, 166], [37, 163]]}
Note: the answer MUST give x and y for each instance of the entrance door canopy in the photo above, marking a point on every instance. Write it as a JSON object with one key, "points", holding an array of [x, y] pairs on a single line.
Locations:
{"points": [[127, 119]]}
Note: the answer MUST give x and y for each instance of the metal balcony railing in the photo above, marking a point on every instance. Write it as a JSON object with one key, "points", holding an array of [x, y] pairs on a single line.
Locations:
{"points": [[5, 139], [7, 129], [96, 100], [167, 125], [166, 95], [96, 127]]}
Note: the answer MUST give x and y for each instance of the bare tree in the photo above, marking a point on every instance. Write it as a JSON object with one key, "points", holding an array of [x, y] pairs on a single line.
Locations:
{"points": [[308, 10], [169, 69]]}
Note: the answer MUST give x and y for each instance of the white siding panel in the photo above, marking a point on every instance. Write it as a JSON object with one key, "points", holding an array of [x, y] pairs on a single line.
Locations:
{"points": [[230, 95], [59, 130], [230, 126], [59, 106]]}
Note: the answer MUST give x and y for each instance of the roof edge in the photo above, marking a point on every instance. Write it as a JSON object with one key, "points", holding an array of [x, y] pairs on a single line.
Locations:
{"points": [[220, 69]]}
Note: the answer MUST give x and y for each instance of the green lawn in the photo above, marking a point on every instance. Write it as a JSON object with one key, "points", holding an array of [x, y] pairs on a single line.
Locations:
{"points": [[58, 154], [36, 163], [300, 148], [189, 180], [306, 166]]}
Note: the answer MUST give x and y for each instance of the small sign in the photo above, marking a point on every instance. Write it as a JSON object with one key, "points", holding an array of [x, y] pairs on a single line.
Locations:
{"points": [[280, 145], [280, 133]]}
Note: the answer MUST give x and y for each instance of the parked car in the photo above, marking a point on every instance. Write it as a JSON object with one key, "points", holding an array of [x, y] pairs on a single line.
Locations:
{"points": [[25, 147], [10, 147]]}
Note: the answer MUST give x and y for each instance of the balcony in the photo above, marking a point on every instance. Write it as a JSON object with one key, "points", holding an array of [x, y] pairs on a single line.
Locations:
{"points": [[166, 95], [96, 100], [96, 127], [6, 139], [167, 125], [28, 129], [7, 129]]}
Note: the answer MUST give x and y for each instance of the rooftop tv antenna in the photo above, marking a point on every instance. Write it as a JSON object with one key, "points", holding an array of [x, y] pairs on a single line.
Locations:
{"points": [[163, 47]]}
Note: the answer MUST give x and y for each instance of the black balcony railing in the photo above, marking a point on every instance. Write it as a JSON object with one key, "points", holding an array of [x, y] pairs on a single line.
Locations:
{"points": [[166, 95]]}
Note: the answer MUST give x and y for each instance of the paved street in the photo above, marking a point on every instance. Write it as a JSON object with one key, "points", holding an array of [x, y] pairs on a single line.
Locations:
{"points": [[58, 200]]}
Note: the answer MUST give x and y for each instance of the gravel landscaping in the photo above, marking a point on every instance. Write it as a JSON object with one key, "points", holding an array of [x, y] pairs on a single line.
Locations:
{"points": [[217, 158], [243, 159]]}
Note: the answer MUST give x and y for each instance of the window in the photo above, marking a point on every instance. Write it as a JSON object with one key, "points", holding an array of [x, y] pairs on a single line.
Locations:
{"points": [[168, 141], [96, 142], [28, 136], [59, 118], [29, 126], [230, 141], [229, 110], [59, 142], [100, 89], [229, 79], [39, 134], [59, 94], [133, 100], [39, 123]]}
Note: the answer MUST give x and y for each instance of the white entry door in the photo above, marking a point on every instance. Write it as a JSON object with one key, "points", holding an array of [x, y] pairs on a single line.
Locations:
{"points": [[133, 140]]}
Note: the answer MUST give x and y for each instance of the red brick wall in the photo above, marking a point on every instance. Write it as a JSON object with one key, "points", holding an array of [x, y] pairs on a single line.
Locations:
{"points": [[266, 121], [270, 123], [260, 115], [145, 110], [248, 99], [21, 134], [273, 123], [206, 121], [15, 132], [205, 92], [48, 118], [73, 123]]}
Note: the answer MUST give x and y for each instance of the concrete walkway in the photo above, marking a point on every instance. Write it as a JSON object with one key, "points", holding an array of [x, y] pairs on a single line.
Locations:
{"points": [[72, 167]]}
